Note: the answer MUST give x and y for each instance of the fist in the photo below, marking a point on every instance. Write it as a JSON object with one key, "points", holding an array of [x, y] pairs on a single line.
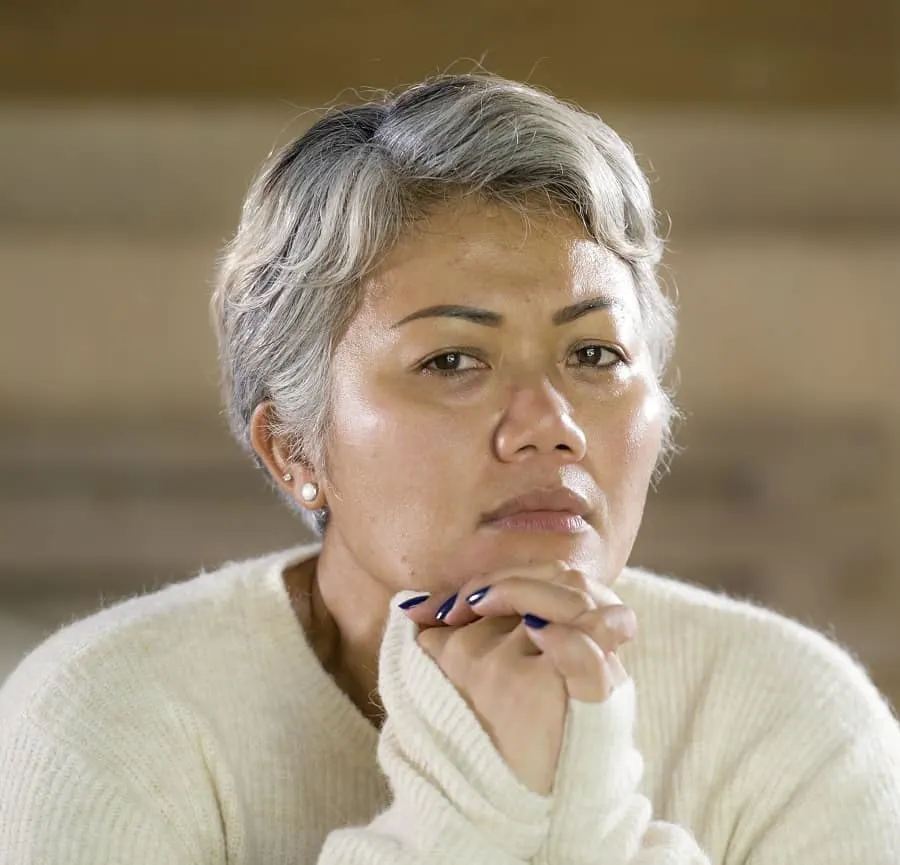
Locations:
{"points": [[518, 645]]}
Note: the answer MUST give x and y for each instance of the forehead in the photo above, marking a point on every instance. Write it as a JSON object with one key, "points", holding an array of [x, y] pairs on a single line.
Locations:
{"points": [[489, 254]]}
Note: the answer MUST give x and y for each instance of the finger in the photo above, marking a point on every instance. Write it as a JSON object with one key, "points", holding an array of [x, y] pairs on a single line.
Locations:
{"points": [[516, 596], [518, 643], [422, 609], [430, 611], [597, 589], [510, 594], [619, 673], [456, 649], [471, 601], [609, 627], [559, 596], [581, 663], [433, 641]]}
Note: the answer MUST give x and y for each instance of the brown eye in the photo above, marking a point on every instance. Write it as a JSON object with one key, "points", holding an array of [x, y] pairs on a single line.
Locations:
{"points": [[448, 362], [452, 363], [597, 356]]}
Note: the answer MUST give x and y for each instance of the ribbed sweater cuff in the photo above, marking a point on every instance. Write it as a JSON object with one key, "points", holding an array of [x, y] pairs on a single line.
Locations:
{"points": [[597, 812], [452, 788]]}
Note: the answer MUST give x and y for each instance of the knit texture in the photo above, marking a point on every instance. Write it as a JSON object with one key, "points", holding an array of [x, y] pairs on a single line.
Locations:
{"points": [[195, 726]]}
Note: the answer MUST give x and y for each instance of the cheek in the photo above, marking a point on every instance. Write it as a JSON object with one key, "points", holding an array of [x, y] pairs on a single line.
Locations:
{"points": [[630, 445], [399, 497], [644, 434], [385, 444]]}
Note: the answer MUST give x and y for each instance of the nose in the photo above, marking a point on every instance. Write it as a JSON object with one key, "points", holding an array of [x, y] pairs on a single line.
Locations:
{"points": [[538, 422]]}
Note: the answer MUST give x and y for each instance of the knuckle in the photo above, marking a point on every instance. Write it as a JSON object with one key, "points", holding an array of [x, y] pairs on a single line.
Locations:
{"points": [[585, 599], [580, 657], [609, 627], [574, 579], [578, 601], [605, 596], [621, 619]]}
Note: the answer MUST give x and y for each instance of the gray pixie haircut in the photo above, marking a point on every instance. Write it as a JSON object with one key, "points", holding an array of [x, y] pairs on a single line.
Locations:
{"points": [[327, 207]]}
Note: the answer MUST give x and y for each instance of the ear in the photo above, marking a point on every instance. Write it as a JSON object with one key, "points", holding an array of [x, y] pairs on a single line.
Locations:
{"points": [[290, 475]]}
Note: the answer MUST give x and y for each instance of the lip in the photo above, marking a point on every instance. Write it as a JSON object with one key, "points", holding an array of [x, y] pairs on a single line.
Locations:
{"points": [[558, 510], [550, 522]]}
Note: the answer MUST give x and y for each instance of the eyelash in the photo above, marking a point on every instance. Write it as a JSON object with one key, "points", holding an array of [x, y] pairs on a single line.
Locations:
{"points": [[455, 373]]}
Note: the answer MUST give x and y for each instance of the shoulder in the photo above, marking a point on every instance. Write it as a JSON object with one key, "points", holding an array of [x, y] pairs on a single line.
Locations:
{"points": [[125, 707], [768, 723], [787, 666], [138, 649]]}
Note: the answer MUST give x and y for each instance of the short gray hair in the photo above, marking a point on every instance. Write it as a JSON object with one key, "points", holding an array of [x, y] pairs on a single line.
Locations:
{"points": [[327, 207]]}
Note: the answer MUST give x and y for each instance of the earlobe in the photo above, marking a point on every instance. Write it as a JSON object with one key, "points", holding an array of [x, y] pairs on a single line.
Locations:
{"points": [[268, 448], [276, 456], [309, 492]]}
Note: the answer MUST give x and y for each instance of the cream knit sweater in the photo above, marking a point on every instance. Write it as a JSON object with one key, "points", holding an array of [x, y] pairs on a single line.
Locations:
{"points": [[194, 726]]}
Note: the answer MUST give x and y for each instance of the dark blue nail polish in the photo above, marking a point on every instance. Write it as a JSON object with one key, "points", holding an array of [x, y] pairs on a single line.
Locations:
{"points": [[475, 597], [534, 621], [409, 603], [445, 608]]}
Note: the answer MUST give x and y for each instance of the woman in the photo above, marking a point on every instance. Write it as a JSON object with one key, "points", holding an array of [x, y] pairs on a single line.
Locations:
{"points": [[442, 338]]}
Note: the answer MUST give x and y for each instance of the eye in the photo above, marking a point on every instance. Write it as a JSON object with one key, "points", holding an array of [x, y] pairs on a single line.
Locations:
{"points": [[451, 363], [597, 357]]}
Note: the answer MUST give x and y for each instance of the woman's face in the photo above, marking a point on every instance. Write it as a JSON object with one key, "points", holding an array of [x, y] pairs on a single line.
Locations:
{"points": [[490, 360]]}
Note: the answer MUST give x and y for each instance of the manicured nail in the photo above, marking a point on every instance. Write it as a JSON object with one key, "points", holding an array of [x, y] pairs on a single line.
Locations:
{"points": [[445, 608], [534, 621], [475, 597], [409, 603]]}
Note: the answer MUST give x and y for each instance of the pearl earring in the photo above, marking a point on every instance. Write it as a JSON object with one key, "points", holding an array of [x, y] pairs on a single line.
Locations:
{"points": [[287, 477], [309, 492]]}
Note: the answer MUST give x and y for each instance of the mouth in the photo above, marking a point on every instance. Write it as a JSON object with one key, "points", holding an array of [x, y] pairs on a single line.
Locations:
{"points": [[557, 511]]}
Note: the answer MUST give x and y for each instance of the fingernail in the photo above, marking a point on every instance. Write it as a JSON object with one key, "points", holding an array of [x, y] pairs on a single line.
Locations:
{"points": [[534, 621], [409, 603], [475, 597], [445, 608]]}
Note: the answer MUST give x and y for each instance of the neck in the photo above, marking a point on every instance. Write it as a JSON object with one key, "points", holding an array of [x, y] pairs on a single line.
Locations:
{"points": [[348, 611]]}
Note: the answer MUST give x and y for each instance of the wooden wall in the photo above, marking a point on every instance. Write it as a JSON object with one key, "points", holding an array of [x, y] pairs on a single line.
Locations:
{"points": [[801, 53]]}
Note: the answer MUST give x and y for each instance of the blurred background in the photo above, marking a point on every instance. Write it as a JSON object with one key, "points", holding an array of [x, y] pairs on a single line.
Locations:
{"points": [[771, 129]]}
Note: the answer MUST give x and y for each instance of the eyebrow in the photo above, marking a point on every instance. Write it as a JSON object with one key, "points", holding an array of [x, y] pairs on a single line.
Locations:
{"points": [[485, 317]]}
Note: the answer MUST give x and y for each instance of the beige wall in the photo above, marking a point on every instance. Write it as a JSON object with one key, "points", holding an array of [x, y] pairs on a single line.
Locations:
{"points": [[784, 249], [798, 53], [109, 322]]}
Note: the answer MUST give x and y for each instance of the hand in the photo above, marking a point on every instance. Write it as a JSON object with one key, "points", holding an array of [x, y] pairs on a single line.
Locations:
{"points": [[518, 678]]}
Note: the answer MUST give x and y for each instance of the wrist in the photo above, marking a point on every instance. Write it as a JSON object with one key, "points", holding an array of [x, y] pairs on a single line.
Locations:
{"points": [[596, 804], [442, 764]]}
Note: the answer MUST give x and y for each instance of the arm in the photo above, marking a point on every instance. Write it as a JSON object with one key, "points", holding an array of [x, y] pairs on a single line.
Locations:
{"points": [[847, 812], [87, 776], [60, 805], [454, 798], [815, 752], [598, 816]]}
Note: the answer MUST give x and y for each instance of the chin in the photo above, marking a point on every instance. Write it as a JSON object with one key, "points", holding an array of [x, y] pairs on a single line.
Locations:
{"points": [[498, 550]]}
